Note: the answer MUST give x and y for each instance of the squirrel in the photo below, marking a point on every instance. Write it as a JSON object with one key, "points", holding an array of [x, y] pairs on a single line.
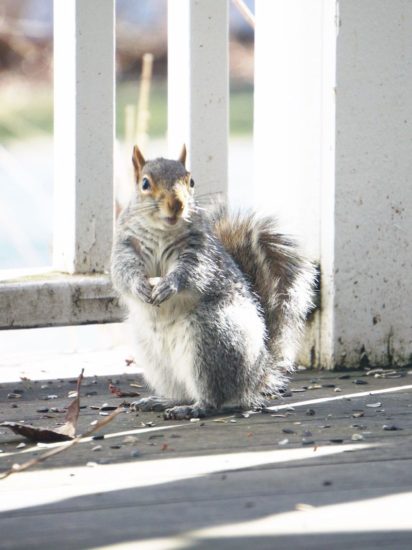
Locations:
{"points": [[216, 302]]}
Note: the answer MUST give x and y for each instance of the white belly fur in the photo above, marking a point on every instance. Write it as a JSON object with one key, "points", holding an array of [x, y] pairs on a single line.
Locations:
{"points": [[165, 341]]}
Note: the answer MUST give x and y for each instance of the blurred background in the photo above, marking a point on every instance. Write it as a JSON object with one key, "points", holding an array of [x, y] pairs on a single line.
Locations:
{"points": [[26, 112], [26, 152]]}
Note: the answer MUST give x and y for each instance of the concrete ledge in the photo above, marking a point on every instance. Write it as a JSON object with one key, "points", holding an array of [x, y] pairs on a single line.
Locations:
{"points": [[57, 299]]}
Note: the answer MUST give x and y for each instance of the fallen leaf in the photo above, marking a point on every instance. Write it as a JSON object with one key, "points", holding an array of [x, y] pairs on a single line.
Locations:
{"points": [[165, 447], [66, 432], [38, 435], [55, 451], [115, 390]]}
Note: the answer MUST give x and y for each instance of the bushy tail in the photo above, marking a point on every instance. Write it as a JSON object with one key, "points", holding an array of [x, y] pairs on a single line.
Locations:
{"points": [[280, 276]]}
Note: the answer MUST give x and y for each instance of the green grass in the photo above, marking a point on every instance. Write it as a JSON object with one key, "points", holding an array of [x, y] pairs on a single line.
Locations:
{"points": [[28, 111], [241, 108], [25, 112], [128, 94]]}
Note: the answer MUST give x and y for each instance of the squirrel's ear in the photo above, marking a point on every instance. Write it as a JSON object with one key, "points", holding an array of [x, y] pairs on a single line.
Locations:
{"points": [[182, 157], [138, 160]]}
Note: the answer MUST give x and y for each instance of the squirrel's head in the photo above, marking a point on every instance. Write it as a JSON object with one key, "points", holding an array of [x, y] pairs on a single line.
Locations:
{"points": [[164, 187]]}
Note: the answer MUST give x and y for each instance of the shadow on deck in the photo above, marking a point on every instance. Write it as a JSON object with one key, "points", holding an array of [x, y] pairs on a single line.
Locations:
{"points": [[331, 466]]}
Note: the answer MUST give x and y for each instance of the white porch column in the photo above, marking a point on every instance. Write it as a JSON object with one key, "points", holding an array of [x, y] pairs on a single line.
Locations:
{"points": [[373, 190], [294, 126], [339, 173], [198, 88], [84, 134]]}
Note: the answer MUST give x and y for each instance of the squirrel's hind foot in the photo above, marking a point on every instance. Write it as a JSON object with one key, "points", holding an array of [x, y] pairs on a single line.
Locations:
{"points": [[153, 403], [186, 412]]}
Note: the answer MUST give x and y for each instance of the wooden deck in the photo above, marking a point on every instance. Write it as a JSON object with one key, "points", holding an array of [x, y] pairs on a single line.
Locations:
{"points": [[324, 470]]}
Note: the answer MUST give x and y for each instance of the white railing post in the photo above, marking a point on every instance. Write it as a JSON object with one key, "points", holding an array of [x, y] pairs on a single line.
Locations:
{"points": [[295, 45], [333, 105], [294, 88], [373, 193], [198, 88], [84, 83]]}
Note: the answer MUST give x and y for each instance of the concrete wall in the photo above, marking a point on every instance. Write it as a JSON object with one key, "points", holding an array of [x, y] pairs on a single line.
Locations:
{"points": [[333, 153], [373, 185]]}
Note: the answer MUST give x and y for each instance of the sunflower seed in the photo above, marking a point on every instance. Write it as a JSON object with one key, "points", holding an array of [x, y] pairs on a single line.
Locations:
{"points": [[13, 396]]}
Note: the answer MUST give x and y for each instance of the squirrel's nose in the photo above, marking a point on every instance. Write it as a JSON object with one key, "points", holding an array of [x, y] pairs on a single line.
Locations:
{"points": [[175, 207]]}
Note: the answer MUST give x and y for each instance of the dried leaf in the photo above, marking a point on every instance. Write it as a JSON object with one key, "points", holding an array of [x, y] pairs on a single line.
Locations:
{"points": [[48, 435], [38, 435], [72, 415], [55, 451], [115, 390]]}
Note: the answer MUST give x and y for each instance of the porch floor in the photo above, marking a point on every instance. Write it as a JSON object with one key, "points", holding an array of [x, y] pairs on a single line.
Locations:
{"points": [[331, 467]]}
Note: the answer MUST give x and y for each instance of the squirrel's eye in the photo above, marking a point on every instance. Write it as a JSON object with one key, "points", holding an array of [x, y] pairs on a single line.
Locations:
{"points": [[145, 184], [192, 182]]}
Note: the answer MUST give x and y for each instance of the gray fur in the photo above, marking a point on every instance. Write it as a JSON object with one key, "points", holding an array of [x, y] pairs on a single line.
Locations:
{"points": [[221, 321], [165, 170]]}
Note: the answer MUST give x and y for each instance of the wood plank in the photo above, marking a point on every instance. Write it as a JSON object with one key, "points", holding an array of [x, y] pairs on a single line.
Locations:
{"points": [[181, 508], [331, 423], [225, 484], [322, 481]]}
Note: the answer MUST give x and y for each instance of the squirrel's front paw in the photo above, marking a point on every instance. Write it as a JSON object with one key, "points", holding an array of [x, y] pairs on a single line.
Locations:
{"points": [[163, 290], [143, 290]]}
